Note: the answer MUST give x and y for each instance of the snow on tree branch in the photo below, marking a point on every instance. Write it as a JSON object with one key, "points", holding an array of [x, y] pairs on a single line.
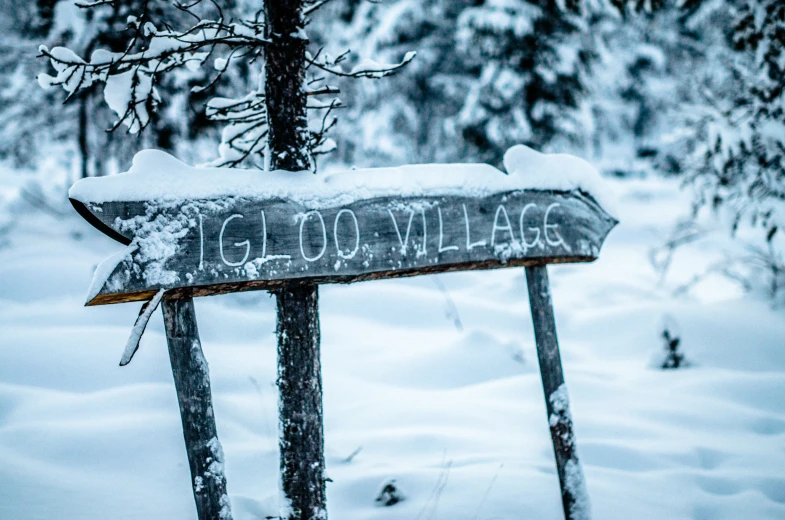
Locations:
{"points": [[367, 68], [131, 76], [314, 6], [245, 133], [88, 5]]}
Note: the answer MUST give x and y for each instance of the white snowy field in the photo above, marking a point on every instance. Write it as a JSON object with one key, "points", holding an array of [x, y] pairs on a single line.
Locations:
{"points": [[454, 414]]}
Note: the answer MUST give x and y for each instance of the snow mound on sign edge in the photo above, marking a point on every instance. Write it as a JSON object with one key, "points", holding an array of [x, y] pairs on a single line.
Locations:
{"points": [[561, 172], [156, 175]]}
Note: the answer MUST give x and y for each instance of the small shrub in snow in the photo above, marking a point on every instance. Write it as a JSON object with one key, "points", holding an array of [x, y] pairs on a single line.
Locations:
{"points": [[390, 494], [673, 356]]}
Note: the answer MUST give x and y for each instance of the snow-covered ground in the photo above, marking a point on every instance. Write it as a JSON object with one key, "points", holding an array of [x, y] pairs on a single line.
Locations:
{"points": [[450, 406]]}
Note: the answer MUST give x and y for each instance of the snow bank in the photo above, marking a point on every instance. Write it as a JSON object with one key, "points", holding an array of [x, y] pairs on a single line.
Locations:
{"points": [[156, 175]]}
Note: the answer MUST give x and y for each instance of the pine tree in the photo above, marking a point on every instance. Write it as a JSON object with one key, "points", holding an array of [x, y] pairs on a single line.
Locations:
{"points": [[737, 129], [647, 55], [155, 51], [30, 121], [529, 63], [489, 75], [33, 126], [406, 118]]}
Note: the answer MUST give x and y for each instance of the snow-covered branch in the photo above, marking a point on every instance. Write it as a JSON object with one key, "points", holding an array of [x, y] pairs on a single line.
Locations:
{"points": [[367, 68], [312, 7], [245, 133], [88, 5], [132, 75]]}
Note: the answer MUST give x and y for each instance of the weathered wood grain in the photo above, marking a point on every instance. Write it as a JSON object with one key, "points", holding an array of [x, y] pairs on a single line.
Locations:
{"points": [[205, 247], [192, 382], [574, 495]]}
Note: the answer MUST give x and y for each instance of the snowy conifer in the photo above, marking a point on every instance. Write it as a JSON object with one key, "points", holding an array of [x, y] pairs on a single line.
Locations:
{"points": [[406, 118], [738, 130], [530, 64]]}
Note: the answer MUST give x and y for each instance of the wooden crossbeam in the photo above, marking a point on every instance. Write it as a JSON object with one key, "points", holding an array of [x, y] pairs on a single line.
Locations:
{"points": [[198, 248]]}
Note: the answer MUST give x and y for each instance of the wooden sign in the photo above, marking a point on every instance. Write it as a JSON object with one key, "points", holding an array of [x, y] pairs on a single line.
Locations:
{"points": [[196, 232], [229, 244]]}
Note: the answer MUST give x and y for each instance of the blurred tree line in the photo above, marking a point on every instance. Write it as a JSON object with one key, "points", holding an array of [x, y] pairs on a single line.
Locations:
{"points": [[688, 88]]}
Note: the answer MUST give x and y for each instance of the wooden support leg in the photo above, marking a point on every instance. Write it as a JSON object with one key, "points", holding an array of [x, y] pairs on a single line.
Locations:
{"points": [[301, 440], [575, 499], [192, 381]]}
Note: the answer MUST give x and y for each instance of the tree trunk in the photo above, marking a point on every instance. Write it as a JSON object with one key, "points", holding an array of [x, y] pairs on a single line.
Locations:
{"points": [[300, 401], [287, 120], [192, 382], [301, 440]]}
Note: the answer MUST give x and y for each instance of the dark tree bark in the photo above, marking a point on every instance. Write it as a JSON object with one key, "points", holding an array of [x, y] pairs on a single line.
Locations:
{"points": [[575, 499], [287, 120], [192, 382], [299, 369], [300, 400]]}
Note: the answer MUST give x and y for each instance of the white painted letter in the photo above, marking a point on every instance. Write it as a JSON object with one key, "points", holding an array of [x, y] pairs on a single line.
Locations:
{"points": [[264, 244], [469, 244], [264, 236], [404, 243], [560, 241], [201, 243], [245, 243], [496, 227], [424, 235], [356, 234], [441, 235], [324, 237], [536, 241]]}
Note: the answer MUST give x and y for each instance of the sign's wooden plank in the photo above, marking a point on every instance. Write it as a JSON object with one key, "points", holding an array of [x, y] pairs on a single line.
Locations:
{"points": [[202, 247]]}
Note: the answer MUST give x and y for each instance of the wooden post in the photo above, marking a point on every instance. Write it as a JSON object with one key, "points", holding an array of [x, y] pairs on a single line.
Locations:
{"points": [[192, 382], [575, 499], [301, 440]]}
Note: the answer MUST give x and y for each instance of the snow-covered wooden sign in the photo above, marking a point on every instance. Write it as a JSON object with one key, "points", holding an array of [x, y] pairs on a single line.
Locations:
{"points": [[199, 231]]}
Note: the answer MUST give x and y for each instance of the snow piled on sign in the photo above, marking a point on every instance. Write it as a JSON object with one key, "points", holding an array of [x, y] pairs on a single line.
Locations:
{"points": [[105, 269], [558, 171], [156, 175]]}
